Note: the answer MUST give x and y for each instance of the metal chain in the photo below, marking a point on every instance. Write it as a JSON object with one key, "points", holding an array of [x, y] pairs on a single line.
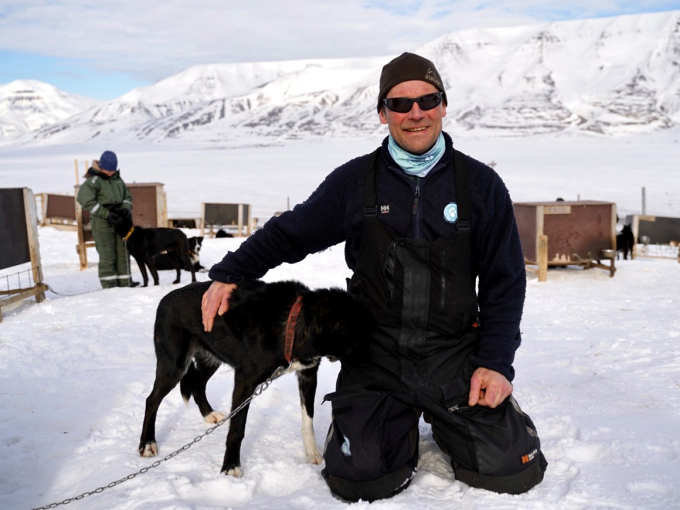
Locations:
{"points": [[256, 393], [69, 295]]}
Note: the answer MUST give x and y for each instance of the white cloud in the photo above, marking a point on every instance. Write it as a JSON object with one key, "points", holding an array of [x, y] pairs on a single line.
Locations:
{"points": [[154, 39]]}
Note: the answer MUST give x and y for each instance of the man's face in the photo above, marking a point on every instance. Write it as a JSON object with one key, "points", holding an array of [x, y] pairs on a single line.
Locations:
{"points": [[418, 130]]}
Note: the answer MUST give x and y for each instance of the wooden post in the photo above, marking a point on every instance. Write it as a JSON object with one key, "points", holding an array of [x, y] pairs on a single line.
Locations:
{"points": [[542, 258], [33, 244], [81, 248], [240, 220], [77, 176], [202, 219], [613, 221], [635, 227]]}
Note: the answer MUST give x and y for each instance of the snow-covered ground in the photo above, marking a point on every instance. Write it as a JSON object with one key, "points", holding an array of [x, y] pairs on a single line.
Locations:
{"points": [[598, 371]]}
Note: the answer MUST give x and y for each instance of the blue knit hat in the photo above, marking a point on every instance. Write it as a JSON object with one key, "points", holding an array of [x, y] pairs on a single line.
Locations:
{"points": [[108, 161]]}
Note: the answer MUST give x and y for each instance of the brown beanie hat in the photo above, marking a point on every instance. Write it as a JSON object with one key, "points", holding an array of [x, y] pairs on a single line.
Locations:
{"points": [[406, 67]]}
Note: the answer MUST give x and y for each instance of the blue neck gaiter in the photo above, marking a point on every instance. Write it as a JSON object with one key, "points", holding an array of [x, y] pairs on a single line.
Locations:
{"points": [[417, 164]]}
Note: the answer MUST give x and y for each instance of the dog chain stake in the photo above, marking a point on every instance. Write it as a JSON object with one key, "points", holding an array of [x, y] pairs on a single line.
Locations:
{"points": [[259, 389]]}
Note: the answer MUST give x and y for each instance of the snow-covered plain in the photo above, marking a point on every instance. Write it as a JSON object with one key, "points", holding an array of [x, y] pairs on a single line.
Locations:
{"points": [[598, 371]]}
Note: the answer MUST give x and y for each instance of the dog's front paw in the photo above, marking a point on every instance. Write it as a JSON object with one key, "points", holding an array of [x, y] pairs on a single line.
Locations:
{"points": [[149, 449], [235, 471], [315, 458], [214, 417]]}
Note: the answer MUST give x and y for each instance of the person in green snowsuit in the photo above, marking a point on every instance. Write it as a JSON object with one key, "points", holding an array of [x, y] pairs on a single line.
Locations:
{"points": [[104, 195]]}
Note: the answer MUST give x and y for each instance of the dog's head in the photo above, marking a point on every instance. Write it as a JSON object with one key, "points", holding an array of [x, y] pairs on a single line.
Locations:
{"points": [[195, 248], [122, 223], [195, 244], [337, 324]]}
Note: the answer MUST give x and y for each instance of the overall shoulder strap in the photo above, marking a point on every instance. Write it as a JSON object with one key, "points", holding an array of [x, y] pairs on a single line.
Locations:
{"points": [[371, 186]]}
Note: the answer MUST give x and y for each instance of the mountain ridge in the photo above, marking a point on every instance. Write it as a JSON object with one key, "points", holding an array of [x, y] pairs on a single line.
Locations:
{"points": [[603, 76]]}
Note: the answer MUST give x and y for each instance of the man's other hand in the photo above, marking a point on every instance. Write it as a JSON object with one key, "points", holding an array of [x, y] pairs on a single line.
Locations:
{"points": [[215, 301], [488, 388]]}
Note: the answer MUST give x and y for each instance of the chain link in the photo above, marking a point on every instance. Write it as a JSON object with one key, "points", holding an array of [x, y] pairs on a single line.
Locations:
{"points": [[259, 389]]}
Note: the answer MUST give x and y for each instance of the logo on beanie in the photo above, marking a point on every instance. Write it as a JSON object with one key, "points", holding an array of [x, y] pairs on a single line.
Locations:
{"points": [[451, 212], [430, 76]]}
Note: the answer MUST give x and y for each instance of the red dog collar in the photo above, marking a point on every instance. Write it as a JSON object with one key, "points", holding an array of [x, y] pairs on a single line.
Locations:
{"points": [[290, 328]]}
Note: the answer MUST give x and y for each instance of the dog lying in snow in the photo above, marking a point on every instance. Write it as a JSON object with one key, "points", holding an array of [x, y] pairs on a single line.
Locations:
{"points": [[250, 338]]}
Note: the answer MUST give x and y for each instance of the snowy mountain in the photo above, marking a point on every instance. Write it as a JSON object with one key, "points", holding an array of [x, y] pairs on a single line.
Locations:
{"points": [[28, 105], [608, 76]]}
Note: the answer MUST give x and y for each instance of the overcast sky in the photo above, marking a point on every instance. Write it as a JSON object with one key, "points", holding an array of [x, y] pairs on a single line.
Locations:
{"points": [[104, 48]]}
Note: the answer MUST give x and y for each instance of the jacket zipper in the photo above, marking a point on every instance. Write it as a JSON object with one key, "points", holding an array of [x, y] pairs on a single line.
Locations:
{"points": [[416, 214], [442, 300]]}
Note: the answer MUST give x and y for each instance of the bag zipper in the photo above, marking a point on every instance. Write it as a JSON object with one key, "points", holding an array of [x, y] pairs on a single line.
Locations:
{"points": [[456, 408]]}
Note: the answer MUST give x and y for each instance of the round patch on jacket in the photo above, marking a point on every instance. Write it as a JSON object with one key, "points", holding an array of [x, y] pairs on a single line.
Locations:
{"points": [[451, 212]]}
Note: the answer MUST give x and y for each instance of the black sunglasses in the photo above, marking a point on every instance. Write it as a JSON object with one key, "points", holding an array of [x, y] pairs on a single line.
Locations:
{"points": [[404, 104]]}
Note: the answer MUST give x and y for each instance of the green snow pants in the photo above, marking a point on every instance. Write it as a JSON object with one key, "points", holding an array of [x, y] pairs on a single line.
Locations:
{"points": [[114, 260]]}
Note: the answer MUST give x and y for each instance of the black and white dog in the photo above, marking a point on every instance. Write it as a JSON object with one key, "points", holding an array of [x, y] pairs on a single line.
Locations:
{"points": [[145, 243], [164, 261], [251, 337]]}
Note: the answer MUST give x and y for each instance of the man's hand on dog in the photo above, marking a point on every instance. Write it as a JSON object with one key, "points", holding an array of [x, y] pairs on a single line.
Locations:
{"points": [[215, 301], [488, 388]]}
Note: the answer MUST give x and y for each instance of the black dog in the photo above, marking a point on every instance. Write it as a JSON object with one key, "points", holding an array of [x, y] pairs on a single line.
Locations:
{"points": [[223, 233], [165, 261], [624, 242], [145, 243], [250, 337]]}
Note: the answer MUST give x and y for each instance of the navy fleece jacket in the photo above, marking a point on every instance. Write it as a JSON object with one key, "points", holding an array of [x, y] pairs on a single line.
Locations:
{"points": [[334, 213]]}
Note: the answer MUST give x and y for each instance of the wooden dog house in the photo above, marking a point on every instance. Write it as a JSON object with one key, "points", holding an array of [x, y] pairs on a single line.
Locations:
{"points": [[19, 234], [560, 233], [226, 215], [58, 210], [655, 236]]}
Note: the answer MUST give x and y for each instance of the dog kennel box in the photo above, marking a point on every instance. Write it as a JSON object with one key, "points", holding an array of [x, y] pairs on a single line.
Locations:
{"points": [[19, 246], [567, 233], [237, 216], [149, 210], [655, 236], [57, 210]]}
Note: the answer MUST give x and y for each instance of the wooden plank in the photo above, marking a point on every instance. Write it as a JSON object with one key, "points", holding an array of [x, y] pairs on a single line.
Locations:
{"points": [[613, 222], [33, 242], [81, 249], [542, 258], [33, 291], [203, 219], [635, 227]]}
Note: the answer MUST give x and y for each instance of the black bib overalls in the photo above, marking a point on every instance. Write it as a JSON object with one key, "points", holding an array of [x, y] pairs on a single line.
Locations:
{"points": [[423, 299]]}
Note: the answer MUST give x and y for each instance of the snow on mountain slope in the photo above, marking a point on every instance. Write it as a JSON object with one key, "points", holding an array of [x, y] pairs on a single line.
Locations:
{"points": [[605, 75], [28, 105], [608, 76]]}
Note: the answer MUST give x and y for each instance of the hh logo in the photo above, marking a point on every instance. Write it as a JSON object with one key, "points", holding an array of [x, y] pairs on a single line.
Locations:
{"points": [[384, 209], [529, 457]]}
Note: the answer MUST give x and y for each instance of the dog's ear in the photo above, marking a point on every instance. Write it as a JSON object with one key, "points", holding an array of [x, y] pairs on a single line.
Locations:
{"points": [[337, 324]]}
